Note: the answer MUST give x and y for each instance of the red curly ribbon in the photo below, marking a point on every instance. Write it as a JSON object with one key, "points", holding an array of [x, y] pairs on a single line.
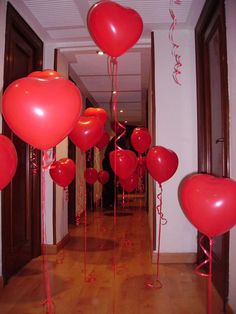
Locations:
{"points": [[175, 46], [34, 160], [162, 221], [209, 274]]}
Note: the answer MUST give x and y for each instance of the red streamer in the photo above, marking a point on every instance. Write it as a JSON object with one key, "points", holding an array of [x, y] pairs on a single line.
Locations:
{"points": [[175, 46], [209, 274]]}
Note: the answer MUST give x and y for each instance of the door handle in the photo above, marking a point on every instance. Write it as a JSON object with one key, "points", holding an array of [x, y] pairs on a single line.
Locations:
{"points": [[220, 140]]}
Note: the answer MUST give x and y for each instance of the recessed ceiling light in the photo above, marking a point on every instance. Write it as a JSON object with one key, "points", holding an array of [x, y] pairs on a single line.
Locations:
{"points": [[100, 52], [114, 92], [121, 110], [126, 121]]}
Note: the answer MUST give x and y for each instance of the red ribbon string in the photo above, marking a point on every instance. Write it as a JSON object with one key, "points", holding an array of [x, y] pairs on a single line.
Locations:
{"points": [[34, 161], [162, 221], [175, 46], [47, 284], [209, 274]]}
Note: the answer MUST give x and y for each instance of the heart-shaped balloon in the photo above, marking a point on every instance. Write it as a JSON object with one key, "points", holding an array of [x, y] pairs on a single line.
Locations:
{"points": [[41, 111], [131, 183], [123, 162], [45, 74], [8, 161], [161, 163], [87, 132], [114, 28], [90, 175], [209, 203], [141, 139], [103, 176], [97, 112], [62, 171], [103, 141]]}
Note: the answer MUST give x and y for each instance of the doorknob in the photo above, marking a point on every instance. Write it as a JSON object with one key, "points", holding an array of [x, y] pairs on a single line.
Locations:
{"points": [[220, 140]]}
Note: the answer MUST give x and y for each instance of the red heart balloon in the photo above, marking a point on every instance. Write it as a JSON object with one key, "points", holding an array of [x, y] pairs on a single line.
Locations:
{"points": [[141, 139], [45, 74], [97, 112], [90, 175], [103, 141], [123, 162], [113, 27], [87, 132], [41, 111], [131, 183], [103, 176], [62, 171], [209, 203], [161, 163], [8, 161]]}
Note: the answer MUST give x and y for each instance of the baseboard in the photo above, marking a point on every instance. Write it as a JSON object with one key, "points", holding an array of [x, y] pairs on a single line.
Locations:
{"points": [[55, 248], [178, 258]]}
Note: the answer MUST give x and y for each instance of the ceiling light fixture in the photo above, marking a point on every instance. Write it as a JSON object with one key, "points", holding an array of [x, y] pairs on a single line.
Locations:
{"points": [[114, 92], [121, 110]]}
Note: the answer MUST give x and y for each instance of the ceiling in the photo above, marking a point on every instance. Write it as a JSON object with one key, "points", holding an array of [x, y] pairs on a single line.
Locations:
{"points": [[63, 24]]}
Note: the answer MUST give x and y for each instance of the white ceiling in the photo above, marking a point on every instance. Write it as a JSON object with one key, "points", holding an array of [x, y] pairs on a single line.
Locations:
{"points": [[63, 23]]}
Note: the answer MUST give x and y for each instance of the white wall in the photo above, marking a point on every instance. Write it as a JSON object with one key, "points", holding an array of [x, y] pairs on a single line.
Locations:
{"points": [[2, 48], [231, 48], [176, 129]]}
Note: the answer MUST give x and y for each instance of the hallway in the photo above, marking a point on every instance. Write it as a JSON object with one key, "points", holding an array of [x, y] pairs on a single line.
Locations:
{"points": [[106, 292]]}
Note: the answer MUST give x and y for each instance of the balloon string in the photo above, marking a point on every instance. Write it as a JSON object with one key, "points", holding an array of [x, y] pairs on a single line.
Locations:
{"points": [[209, 274], [114, 71], [175, 46], [47, 285], [47, 160], [33, 160]]}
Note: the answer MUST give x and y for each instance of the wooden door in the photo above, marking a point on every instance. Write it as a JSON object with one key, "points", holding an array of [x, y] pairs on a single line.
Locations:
{"points": [[213, 117], [71, 187], [21, 233]]}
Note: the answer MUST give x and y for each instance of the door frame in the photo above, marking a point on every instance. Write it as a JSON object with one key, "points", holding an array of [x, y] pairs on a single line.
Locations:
{"points": [[212, 11], [33, 158]]}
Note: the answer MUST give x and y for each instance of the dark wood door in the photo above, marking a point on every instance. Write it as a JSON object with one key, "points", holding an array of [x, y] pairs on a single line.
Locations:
{"points": [[213, 117], [21, 231]]}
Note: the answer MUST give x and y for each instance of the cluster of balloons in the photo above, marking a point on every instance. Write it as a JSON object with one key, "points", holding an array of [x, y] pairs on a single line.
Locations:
{"points": [[91, 176], [160, 162]]}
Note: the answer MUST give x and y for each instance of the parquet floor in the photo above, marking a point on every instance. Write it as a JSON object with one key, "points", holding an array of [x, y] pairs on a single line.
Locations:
{"points": [[86, 283]]}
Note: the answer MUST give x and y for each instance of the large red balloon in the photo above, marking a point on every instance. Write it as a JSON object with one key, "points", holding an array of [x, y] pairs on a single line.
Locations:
{"points": [[41, 111], [114, 28], [44, 74], [131, 183], [209, 203], [62, 171], [103, 176], [87, 132], [8, 161], [161, 163], [103, 141], [141, 139], [97, 112], [90, 175], [123, 162]]}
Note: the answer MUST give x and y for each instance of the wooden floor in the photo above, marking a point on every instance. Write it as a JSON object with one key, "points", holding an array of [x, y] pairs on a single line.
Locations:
{"points": [[87, 283]]}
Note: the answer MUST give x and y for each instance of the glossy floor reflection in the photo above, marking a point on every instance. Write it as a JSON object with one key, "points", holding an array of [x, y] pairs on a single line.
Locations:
{"points": [[111, 276]]}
